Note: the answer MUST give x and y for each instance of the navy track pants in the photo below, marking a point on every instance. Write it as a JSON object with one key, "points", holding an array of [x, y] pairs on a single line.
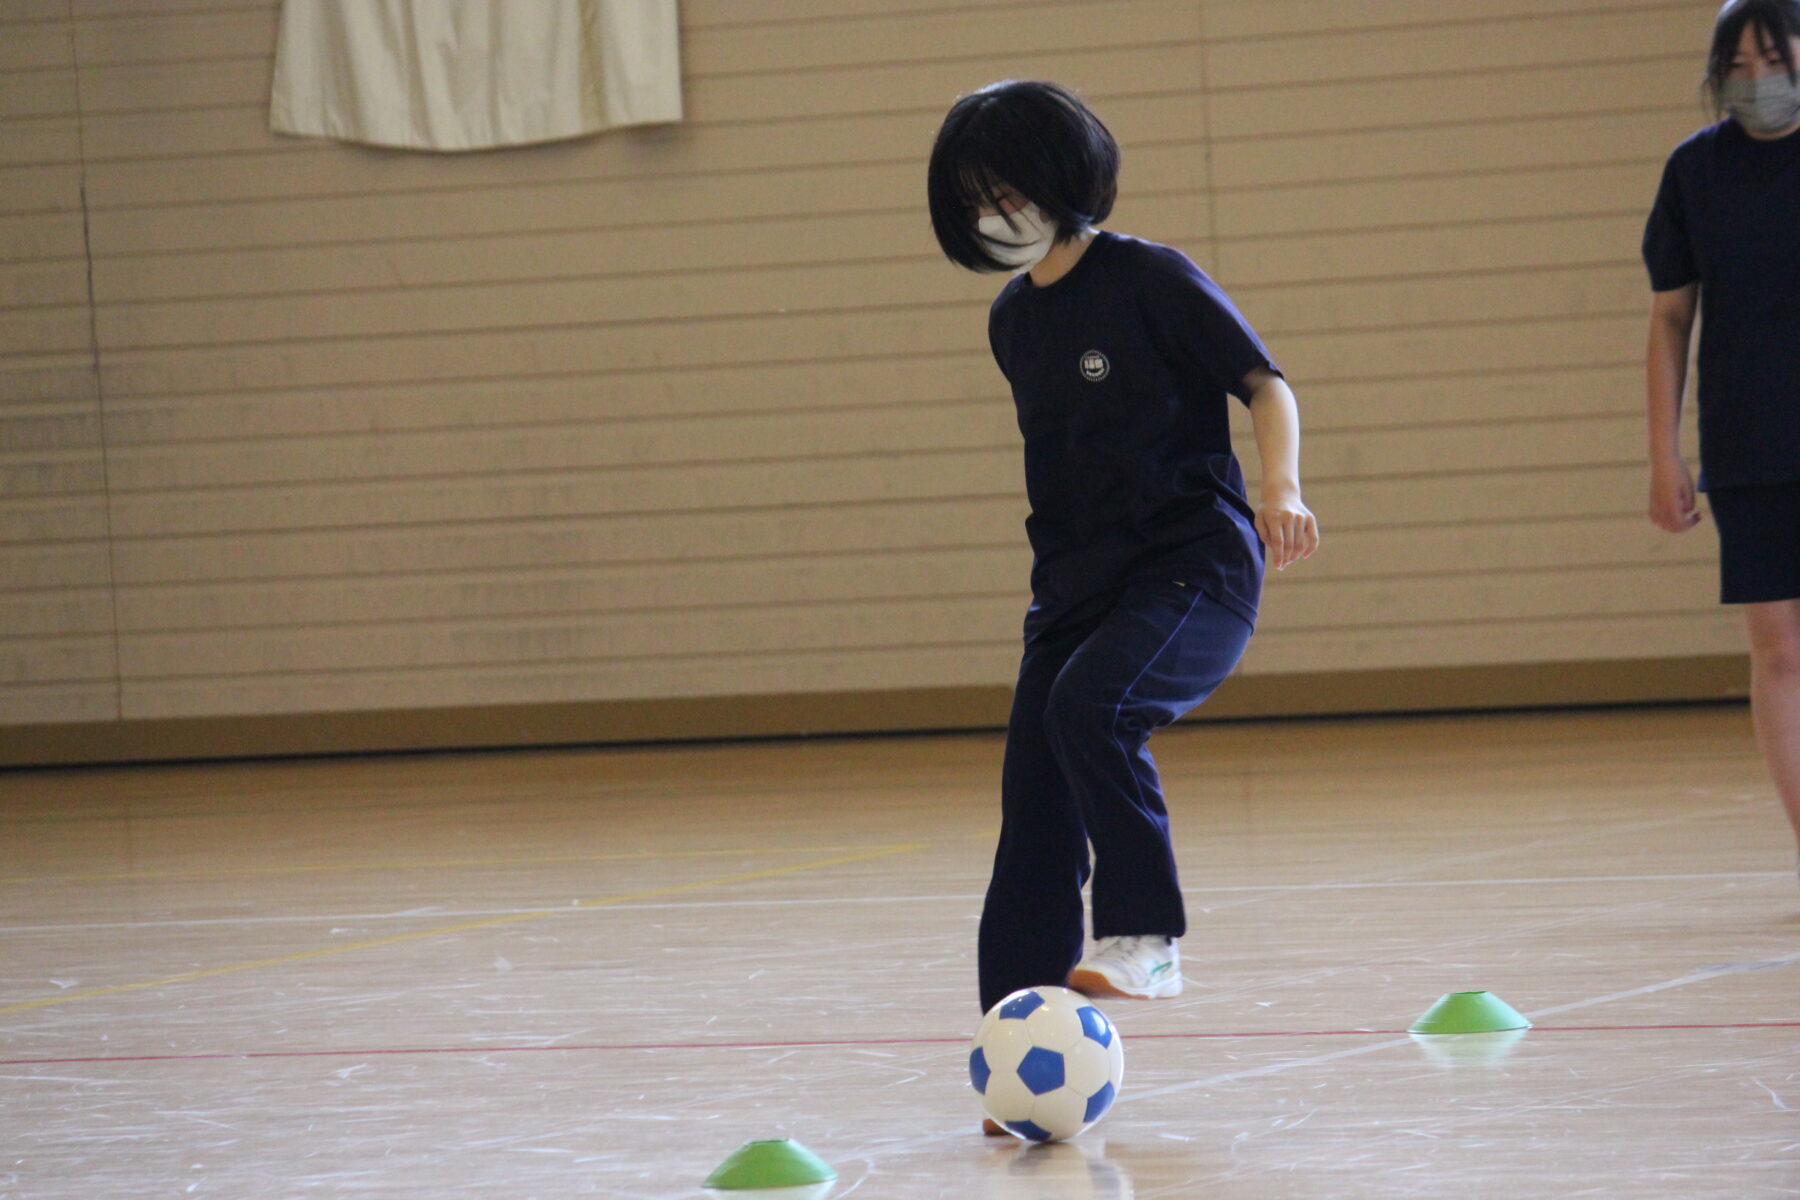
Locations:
{"points": [[1092, 689]]}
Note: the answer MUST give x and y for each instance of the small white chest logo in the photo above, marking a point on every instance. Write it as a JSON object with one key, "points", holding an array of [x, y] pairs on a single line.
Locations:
{"points": [[1094, 366]]}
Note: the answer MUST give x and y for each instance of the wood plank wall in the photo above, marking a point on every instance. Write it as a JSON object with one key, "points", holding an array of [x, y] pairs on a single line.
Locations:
{"points": [[699, 412]]}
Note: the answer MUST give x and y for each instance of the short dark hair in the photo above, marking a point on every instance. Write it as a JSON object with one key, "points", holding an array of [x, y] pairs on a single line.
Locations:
{"points": [[1033, 137], [1778, 23]]}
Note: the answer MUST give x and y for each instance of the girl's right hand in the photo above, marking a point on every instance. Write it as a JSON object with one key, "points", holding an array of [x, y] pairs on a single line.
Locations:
{"points": [[1672, 505]]}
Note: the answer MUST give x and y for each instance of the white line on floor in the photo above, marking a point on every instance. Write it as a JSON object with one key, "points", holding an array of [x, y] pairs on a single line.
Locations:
{"points": [[946, 898]]}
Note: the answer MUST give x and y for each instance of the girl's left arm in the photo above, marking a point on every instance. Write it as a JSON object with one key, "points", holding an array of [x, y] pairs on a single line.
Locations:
{"points": [[1286, 525]]}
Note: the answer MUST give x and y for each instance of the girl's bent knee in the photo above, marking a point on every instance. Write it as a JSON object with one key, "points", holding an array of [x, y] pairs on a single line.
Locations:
{"points": [[1076, 715]]}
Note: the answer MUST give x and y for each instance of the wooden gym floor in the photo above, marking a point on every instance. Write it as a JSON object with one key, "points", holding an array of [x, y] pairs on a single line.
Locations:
{"points": [[596, 973]]}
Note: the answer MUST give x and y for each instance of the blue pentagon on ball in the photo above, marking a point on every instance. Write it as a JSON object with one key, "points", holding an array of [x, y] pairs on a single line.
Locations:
{"points": [[1095, 1025], [979, 1071], [1041, 1070], [1021, 1006], [1098, 1103]]}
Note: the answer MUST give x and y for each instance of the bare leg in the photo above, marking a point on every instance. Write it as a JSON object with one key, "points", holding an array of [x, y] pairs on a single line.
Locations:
{"points": [[1775, 696]]}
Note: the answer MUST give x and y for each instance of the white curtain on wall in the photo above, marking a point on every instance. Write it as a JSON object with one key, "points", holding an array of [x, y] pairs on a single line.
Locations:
{"points": [[473, 74]]}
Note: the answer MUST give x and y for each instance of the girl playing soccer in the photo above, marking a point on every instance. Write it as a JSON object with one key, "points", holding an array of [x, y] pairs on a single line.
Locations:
{"points": [[1147, 562], [1726, 230]]}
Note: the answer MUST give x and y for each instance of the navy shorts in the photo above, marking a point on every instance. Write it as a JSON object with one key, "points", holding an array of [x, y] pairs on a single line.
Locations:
{"points": [[1759, 542]]}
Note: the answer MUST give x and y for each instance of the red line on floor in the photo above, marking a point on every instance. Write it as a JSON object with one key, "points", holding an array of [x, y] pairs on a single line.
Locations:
{"points": [[640, 1046]]}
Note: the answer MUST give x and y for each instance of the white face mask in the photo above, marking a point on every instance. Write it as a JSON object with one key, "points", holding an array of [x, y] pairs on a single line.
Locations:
{"points": [[1020, 248]]}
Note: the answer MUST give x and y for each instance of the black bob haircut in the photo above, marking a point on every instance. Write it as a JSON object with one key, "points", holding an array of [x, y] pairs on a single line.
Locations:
{"points": [[1033, 137], [1777, 23]]}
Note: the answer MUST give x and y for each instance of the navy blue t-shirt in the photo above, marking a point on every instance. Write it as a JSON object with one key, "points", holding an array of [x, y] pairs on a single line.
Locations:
{"points": [[1728, 216], [1120, 371]]}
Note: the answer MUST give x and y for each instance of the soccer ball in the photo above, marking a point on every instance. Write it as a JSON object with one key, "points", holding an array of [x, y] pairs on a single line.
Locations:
{"points": [[1047, 1063]]}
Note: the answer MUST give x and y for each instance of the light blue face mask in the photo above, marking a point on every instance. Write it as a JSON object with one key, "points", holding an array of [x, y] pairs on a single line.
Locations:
{"points": [[1766, 105]]}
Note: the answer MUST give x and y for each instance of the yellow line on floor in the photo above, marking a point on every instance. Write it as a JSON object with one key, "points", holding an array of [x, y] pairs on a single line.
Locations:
{"points": [[492, 922]]}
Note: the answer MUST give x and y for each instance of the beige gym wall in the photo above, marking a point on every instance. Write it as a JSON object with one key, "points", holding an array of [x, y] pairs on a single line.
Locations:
{"points": [[691, 431]]}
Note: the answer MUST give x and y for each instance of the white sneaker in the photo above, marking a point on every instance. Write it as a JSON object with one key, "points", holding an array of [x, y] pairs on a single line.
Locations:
{"points": [[1142, 968]]}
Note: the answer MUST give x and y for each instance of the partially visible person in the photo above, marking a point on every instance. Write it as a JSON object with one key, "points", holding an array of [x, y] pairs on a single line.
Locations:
{"points": [[1723, 240]]}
